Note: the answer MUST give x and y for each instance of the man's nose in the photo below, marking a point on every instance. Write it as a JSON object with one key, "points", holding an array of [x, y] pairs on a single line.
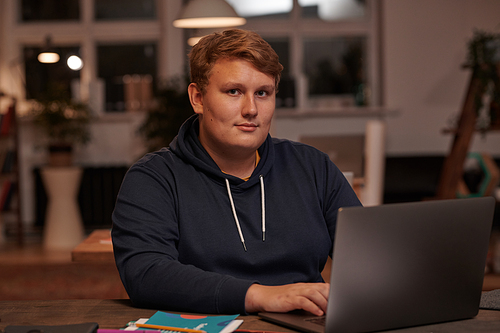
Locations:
{"points": [[249, 107]]}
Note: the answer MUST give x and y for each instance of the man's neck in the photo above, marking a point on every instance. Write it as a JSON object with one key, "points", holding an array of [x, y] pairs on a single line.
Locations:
{"points": [[241, 168]]}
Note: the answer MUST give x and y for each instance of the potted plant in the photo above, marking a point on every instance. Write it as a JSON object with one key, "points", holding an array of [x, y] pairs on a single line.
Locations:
{"points": [[484, 59], [171, 107], [65, 123]]}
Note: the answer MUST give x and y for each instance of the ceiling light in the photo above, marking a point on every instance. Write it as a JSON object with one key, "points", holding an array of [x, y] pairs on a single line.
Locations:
{"points": [[48, 57], [75, 63], [208, 14], [48, 54]]}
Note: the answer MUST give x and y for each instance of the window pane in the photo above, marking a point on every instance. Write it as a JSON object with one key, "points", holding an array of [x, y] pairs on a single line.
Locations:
{"points": [[124, 9], [286, 91], [333, 10], [129, 73], [262, 8], [49, 80], [335, 66], [49, 10]]}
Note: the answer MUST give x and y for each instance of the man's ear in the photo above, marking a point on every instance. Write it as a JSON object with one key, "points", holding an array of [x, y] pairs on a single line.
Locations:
{"points": [[196, 98]]}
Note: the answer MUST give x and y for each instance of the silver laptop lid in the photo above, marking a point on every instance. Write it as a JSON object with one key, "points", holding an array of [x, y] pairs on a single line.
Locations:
{"points": [[408, 264]]}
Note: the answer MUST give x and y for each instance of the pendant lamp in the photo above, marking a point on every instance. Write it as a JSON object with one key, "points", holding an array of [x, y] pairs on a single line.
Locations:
{"points": [[208, 14], [48, 54]]}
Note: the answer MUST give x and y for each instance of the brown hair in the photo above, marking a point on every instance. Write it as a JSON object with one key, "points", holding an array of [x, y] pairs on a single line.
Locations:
{"points": [[233, 43]]}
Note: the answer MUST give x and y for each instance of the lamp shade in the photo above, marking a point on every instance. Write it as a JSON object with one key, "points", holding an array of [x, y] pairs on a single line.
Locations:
{"points": [[208, 14], [48, 54], [47, 57]]}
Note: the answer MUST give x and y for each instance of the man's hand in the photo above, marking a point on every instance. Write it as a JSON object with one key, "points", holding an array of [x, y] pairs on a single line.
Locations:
{"points": [[312, 297]]}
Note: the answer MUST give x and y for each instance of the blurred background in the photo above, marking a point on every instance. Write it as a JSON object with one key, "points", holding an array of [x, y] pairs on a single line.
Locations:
{"points": [[379, 85]]}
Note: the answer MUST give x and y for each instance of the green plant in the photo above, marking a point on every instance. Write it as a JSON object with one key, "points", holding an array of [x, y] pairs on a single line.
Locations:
{"points": [[484, 58], [64, 121], [170, 109]]}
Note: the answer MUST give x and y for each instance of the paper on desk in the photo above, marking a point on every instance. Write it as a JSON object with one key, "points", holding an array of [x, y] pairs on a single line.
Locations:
{"points": [[209, 324]]}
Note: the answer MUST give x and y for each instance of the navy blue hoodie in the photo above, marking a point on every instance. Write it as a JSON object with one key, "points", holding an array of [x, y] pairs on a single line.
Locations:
{"points": [[179, 224]]}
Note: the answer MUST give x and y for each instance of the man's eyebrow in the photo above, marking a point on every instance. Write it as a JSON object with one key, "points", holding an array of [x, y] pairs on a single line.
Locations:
{"points": [[268, 87], [236, 85], [232, 85]]}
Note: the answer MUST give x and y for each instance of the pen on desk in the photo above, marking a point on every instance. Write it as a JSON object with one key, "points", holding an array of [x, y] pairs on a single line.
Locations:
{"points": [[169, 328], [242, 330], [104, 330]]}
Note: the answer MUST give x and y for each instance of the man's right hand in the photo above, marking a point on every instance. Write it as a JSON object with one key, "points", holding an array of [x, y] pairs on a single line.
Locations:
{"points": [[312, 297]]}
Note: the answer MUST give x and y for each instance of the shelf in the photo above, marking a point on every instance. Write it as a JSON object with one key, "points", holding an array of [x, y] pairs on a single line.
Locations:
{"points": [[9, 173], [343, 112]]}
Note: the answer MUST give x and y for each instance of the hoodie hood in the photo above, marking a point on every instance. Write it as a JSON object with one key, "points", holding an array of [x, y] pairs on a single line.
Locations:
{"points": [[187, 146]]}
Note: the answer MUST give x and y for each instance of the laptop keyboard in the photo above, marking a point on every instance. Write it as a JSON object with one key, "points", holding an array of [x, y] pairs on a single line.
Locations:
{"points": [[318, 321]]}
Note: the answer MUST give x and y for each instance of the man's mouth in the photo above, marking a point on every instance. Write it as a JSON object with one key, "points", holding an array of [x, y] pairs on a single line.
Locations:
{"points": [[247, 127]]}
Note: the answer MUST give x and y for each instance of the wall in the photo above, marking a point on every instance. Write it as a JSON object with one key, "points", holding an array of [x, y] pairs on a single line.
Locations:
{"points": [[424, 47]]}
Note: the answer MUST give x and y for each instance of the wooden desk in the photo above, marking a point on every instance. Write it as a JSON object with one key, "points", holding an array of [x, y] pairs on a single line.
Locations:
{"points": [[117, 313], [107, 313], [96, 247]]}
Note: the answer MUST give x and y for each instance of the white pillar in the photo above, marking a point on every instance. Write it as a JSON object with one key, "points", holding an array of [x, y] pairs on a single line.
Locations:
{"points": [[374, 163], [63, 222]]}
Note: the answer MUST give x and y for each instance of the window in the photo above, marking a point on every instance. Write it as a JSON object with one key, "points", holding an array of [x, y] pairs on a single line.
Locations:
{"points": [[334, 66], [49, 10], [328, 49], [333, 10], [286, 92], [118, 43], [50, 80], [124, 10], [128, 80]]}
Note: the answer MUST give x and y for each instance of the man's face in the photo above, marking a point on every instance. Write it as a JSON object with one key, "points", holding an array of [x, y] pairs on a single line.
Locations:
{"points": [[236, 109]]}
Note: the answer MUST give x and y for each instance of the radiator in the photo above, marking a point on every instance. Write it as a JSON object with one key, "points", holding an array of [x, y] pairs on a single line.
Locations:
{"points": [[96, 197]]}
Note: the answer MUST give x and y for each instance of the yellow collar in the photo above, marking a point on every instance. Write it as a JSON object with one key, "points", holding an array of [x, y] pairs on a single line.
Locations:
{"points": [[257, 159]]}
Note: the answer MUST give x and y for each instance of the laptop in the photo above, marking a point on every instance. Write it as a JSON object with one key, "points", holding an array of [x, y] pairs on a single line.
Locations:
{"points": [[402, 265]]}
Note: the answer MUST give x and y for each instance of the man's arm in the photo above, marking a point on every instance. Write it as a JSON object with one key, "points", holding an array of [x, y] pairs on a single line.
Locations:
{"points": [[145, 236], [312, 297]]}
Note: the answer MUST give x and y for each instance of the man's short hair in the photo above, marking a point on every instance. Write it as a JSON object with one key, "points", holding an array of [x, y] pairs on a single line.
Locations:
{"points": [[233, 43]]}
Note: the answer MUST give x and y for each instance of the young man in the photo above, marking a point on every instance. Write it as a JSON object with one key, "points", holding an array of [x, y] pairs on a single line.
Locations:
{"points": [[228, 219]]}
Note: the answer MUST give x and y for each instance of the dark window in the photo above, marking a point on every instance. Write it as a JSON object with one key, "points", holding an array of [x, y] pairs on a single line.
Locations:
{"points": [[124, 10], [49, 80], [335, 65], [286, 89], [117, 64], [50, 10], [282, 48]]}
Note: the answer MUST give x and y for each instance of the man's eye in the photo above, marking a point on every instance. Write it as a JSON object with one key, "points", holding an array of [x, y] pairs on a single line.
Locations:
{"points": [[262, 93], [232, 91]]}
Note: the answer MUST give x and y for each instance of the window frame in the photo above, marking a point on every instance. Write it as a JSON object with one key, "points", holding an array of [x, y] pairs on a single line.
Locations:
{"points": [[89, 33], [296, 28], [171, 48]]}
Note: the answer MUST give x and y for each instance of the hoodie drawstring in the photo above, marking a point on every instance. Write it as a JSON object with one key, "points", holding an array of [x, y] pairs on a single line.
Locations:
{"points": [[263, 207]]}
